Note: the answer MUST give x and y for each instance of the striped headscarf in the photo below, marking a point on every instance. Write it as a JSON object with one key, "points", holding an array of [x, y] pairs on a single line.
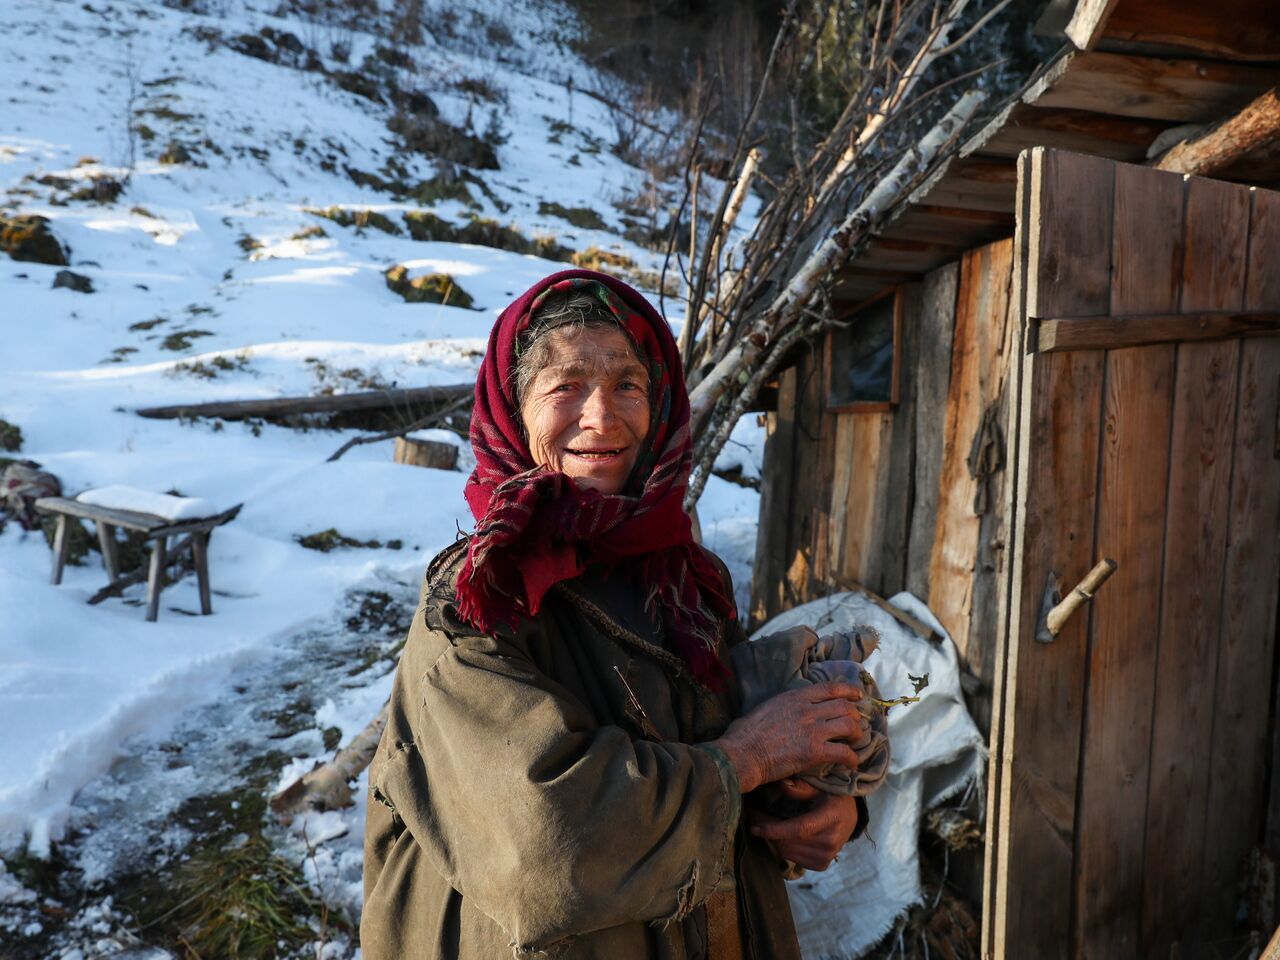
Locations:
{"points": [[535, 527]]}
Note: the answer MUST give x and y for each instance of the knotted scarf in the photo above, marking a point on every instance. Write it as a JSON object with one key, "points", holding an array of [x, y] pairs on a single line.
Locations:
{"points": [[536, 527]]}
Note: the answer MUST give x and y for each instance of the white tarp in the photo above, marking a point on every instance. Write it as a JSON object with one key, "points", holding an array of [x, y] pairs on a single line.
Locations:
{"points": [[937, 752]]}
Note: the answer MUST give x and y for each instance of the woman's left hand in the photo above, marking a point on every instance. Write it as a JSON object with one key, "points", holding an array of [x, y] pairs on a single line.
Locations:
{"points": [[814, 838]]}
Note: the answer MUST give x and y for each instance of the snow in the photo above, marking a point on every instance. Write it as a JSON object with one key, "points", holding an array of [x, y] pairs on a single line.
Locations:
{"points": [[185, 310], [121, 497]]}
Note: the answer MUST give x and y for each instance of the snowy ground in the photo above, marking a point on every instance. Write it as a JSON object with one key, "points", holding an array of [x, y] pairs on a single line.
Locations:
{"points": [[203, 290]]}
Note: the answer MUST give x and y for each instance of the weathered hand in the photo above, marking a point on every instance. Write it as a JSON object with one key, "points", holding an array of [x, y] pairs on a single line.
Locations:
{"points": [[795, 731], [814, 838]]}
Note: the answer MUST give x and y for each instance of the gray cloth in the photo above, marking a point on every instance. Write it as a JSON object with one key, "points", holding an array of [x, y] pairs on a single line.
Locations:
{"points": [[798, 657], [21, 484]]}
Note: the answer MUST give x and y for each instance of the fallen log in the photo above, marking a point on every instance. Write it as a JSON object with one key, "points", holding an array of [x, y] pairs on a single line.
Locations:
{"points": [[1254, 128], [272, 407], [327, 785]]}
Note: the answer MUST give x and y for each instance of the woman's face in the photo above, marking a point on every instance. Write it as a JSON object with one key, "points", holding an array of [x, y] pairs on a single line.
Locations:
{"points": [[586, 412]]}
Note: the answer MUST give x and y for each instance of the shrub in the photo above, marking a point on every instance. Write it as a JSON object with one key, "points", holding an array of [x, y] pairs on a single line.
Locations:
{"points": [[10, 437], [428, 288], [583, 217], [360, 219]]}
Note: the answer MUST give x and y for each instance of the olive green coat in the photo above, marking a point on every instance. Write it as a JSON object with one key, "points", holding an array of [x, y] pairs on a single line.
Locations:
{"points": [[551, 793]]}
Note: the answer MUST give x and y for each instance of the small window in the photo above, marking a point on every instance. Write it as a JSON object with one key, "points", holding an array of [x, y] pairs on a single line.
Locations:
{"points": [[863, 355]]}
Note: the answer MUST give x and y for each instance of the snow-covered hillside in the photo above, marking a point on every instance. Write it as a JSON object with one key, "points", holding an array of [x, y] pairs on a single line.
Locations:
{"points": [[247, 137]]}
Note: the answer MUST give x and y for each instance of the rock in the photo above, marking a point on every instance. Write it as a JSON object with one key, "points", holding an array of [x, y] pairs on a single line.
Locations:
{"points": [[73, 281], [29, 238], [428, 288], [175, 153], [361, 84]]}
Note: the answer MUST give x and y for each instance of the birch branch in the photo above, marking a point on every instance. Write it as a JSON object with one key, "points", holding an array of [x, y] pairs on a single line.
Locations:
{"points": [[799, 290]]}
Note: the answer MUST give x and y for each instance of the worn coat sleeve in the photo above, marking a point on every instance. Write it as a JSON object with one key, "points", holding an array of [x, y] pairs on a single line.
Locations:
{"points": [[551, 824]]}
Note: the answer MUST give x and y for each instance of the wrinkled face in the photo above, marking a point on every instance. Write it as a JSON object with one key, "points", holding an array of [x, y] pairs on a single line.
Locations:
{"points": [[586, 412]]}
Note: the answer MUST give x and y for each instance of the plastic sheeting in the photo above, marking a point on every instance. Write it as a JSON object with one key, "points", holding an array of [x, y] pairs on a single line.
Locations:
{"points": [[937, 752]]}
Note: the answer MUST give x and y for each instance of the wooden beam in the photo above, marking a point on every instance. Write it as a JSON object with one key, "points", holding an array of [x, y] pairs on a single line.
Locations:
{"points": [[1025, 125], [1247, 30], [1226, 143], [1088, 21], [1183, 91], [1106, 333], [977, 183], [269, 407]]}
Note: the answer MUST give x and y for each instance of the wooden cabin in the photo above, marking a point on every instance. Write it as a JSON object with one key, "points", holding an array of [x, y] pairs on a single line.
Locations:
{"points": [[1058, 353]]}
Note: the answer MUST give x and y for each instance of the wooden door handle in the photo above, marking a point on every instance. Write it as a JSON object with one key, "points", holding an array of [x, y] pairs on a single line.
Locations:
{"points": [[1055, 610]]}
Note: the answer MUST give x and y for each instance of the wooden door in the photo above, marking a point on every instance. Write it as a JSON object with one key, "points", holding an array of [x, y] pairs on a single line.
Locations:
{"points": [[1131, 754]]}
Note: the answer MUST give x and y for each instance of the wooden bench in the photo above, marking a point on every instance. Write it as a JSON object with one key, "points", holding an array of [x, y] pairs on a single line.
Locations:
{"points": [[157, 529]]}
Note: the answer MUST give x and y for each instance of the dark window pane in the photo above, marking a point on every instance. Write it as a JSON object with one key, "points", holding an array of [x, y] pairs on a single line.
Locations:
{"points": [[862, 357]]}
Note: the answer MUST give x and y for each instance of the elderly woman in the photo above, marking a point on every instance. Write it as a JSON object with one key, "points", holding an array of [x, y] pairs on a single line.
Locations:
{"points": [[563, 773]]}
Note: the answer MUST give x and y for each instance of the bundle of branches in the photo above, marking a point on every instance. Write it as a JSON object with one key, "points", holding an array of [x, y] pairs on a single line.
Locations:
{"points": [[753, 300]]}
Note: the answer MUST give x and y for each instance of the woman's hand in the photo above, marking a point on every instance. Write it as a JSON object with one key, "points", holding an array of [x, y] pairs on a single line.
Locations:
{"points": [[814, 838], [795, 731]]}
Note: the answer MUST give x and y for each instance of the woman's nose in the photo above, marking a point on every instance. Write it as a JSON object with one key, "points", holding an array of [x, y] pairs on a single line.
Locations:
{"points": [[597, 409]]}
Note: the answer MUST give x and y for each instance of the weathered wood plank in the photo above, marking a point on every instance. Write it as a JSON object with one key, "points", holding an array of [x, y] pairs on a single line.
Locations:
{"points": [[1218, 222], [147, 523], [899, 472], [776, 484], [1186, 91], [1044, 683], [961, 229], [1106, 333], [200, 555], [61, 549], [107, 544], [1147, 245], [155, 577], [1088, 21], [825, 453], [1251, 31], [1237, 774], [1115, 761], [995, 852], [1195, 550], [936, 321], [860, 497], [978, 366], [1147, 231], [991, 558], [811, 494], [1262, 284], [1027, 125], [1070, 246], [977, 183], [1058, 429]]}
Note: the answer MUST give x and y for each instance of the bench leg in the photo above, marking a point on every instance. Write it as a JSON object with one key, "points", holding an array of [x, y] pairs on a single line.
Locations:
{"points": [[154, 576], [61, 548], [200, 551], [107, 541]]}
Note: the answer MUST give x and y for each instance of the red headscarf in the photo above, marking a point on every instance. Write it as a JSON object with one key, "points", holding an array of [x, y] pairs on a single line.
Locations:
{"points": [[535, 527]]}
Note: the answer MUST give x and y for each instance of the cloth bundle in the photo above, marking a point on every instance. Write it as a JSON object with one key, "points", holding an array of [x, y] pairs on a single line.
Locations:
{"points": [[798, 657], [21, 484]]}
